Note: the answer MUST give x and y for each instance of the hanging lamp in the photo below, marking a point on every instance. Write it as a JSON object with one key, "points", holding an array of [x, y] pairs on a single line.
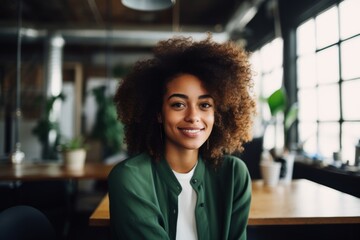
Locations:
{"points": [[148, 5], [17, 156]]}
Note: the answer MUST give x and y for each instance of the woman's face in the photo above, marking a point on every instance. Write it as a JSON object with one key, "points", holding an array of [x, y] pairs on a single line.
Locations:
{"points": [[187, 113]]}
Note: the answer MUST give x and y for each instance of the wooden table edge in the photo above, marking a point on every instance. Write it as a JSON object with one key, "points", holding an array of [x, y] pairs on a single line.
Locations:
{"points": [[96, 222], [99, 222], [100, 217], [304, 221]]}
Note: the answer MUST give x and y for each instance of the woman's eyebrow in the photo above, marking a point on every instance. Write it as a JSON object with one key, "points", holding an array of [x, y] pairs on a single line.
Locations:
{"points": [[205, 96], [179, 95]]}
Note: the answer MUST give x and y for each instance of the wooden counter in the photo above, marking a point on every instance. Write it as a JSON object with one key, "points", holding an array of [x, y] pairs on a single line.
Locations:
{"points": [[52, 171], [300, 203]]}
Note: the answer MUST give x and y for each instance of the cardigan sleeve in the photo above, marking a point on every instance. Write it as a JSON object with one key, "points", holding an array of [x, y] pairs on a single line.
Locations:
{"points": [[241, 201], [134, 213]]}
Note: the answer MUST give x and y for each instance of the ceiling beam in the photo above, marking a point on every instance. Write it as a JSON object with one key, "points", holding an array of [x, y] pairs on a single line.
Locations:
{"points": [[131, 38]]}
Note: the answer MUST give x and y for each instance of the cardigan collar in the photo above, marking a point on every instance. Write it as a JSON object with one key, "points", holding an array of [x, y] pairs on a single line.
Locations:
{"points": [[167, 175]]}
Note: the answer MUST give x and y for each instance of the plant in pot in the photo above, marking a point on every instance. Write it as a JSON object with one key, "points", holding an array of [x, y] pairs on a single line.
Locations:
{"points": [[107, 128], [74, 153], [278, 104]]}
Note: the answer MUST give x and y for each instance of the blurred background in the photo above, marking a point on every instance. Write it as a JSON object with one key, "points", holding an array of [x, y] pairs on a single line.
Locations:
{"points": [[309, 48], [61, 61]]}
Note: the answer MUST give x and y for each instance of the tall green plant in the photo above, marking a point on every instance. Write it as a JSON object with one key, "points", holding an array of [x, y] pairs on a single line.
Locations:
{"points": [[47, 130], [108, 129], [278, 103]]}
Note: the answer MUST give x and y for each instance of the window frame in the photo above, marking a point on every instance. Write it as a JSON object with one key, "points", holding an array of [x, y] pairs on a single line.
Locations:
{"points": [[339, 83]]}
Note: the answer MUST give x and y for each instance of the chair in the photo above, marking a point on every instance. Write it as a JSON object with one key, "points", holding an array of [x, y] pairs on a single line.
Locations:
{"points": [[252, 156], [25, 223]]}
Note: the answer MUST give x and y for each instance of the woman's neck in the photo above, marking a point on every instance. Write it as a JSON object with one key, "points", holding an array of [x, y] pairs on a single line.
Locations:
{"points": [[181, 161]]}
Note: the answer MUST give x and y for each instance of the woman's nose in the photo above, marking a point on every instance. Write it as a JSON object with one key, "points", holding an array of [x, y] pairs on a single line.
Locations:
{"points": [[192, 115]]}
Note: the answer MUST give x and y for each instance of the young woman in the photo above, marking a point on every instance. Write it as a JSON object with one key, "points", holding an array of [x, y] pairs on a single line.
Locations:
{"points": [[185, 110]]}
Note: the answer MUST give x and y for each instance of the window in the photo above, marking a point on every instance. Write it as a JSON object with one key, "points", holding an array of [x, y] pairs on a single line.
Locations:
{"points": [[267, 63], [328, 81]]}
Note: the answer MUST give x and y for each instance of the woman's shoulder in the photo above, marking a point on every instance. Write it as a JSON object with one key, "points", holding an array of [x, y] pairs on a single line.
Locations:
{"points": [[233, 162], [234, 170], [131, 168], [131, 185]]}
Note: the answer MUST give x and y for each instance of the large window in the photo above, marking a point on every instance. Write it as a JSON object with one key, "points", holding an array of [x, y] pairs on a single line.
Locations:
{"points": [[328, 81], [267, 63]]}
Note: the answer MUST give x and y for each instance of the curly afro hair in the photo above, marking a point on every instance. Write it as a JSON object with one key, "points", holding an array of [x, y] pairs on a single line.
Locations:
{"points": [[225, 71]]}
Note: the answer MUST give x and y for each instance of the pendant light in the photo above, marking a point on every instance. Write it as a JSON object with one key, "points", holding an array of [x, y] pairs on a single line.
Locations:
{"points": [[17, 156], [148, 5]]}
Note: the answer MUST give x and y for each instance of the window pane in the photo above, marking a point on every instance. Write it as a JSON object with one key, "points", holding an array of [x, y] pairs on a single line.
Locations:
{"points": [[329, 102], [264, 110], [306, 71], [307, 136], [305, 34], [256, 67], [327, 31], [272, 82], [271, 55], [349, 18], [266, 53], [274, 134], [329, 140], [307, 105], [351, 100], [350, 58], [267, 65], [277, 50], [351, 136], [328, 65]]}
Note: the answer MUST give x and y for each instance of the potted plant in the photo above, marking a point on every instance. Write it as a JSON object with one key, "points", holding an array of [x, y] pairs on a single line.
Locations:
{"points": [[74, 153], [278, 104], [107, 129]]}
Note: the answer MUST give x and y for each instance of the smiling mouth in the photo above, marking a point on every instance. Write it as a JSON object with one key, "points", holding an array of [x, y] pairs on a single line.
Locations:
{"points": [[191, 131]]}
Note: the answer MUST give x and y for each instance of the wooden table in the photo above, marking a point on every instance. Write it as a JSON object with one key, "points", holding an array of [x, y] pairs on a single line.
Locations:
{"points": [[302, 202], [52, 171], [49, 171], [101, 215]]}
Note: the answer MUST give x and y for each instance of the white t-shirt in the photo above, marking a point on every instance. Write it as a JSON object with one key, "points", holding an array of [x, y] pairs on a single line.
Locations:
{"points": [[186, 223]]}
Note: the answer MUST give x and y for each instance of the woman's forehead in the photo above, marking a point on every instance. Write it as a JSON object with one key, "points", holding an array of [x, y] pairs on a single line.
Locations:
{"points": [[186, 83]]}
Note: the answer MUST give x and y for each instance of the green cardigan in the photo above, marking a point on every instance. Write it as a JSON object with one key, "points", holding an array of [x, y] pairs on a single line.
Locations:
{"points": [[143, 199]]}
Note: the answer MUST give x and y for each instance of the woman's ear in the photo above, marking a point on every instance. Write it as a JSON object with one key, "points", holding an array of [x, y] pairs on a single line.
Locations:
{"points": [[159, 118]]}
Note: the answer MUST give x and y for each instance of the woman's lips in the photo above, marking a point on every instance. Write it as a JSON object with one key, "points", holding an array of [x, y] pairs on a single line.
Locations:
{"points": [[191, 132]]}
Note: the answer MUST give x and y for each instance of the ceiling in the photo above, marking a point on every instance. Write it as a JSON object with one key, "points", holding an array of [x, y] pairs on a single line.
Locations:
{"points": [[88, 21]]}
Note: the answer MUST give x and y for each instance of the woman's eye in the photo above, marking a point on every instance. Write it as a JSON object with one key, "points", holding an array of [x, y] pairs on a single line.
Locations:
{"points": [[205, 105], [177, 105]]}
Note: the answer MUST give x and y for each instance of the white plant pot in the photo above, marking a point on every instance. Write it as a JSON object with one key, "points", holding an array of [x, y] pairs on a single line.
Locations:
{"points": [[74, 160], [270, 172]]}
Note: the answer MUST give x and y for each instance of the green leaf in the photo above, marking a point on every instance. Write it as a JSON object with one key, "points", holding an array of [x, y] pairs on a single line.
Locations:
{"points": [[291, 115], [74, 143], [277, 101], [107, 127]]}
